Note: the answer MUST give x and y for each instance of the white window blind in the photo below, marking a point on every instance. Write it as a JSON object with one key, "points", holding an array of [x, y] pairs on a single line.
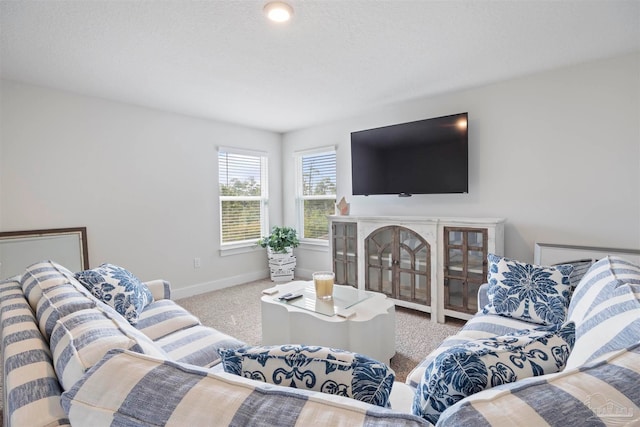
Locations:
{"points": [[316, 192], [243, 196]]}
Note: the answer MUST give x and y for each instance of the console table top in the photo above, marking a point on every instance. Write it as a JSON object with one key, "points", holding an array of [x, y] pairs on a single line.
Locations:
{"points": [[429, 219]]}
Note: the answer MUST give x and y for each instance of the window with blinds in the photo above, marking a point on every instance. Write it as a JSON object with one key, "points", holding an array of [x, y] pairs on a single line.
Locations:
{"points": [[243, 196], [316, 192]]}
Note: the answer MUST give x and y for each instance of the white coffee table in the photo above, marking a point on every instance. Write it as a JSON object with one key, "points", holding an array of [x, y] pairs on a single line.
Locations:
{"points": [[370, 331]]}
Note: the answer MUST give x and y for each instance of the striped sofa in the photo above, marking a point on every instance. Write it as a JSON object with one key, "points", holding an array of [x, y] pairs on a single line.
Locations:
{"points": [[69, 359], [600, 384]]}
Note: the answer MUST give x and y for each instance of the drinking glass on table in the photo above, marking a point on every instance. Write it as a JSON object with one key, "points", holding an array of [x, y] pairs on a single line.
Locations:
{"points": [[323, 282]]}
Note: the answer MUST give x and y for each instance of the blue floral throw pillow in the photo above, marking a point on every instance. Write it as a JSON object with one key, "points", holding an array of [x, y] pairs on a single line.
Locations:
{"points": [[528, 292], [463, 370], [118, 288], [320, 369]]}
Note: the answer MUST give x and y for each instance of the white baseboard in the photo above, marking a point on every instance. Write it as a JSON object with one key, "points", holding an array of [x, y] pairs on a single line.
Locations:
{"points": [[215, 285]]}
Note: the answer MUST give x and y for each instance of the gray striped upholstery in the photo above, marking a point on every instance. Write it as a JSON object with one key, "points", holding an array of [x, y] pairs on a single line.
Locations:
{"points": [[57, 302], [80, 339], [160, 289], [181, 395], [197, 345], [164, 317], [606, 309], [182, 336], [41, 276], [53, 292], [81, 330], [479, 327], [483, 296], [606, 392], [31, 392]]}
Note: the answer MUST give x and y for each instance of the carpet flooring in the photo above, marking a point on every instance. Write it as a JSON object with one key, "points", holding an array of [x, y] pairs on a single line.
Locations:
{"points": [[236, 311]]}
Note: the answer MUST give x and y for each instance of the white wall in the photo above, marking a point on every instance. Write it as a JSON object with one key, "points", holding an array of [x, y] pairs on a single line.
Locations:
{"points": [[143, 182], [556, 153]]}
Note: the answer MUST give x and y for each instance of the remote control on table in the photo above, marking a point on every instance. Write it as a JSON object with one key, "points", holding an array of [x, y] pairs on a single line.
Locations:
{"points": [[290, 296]]}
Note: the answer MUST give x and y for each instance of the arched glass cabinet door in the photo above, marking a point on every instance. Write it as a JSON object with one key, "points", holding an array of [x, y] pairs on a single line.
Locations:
{"points": [[414, 267], [345, 250], [379, 261], [398, 264], [465, 267]]}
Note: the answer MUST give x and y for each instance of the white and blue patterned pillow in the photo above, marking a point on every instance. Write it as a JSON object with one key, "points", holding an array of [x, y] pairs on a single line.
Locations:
{"points": [[118, 288], [469, 368], [533, 293], [320, 369]]}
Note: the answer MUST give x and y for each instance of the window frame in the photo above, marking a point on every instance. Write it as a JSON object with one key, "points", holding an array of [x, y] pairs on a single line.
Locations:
{"points": [[231, 248], [300, 197]]}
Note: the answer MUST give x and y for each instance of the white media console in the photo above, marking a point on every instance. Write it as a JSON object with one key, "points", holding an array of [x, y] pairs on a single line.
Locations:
{"points": [[432, 264]]}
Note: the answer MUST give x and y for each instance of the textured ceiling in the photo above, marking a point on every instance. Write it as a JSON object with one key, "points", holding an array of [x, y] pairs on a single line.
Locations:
{"points": [[223, 60]]}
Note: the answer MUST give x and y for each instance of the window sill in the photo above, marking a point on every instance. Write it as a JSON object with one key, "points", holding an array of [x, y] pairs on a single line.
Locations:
{"points": [[308, 245], [237, 249]]}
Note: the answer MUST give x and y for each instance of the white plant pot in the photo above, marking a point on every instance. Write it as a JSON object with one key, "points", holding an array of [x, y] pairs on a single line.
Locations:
{"points": [[281, 264], [277, 255]]}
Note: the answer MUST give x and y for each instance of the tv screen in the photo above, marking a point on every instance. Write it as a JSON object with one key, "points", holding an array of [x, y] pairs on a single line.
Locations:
{"points": [[422, 157]]}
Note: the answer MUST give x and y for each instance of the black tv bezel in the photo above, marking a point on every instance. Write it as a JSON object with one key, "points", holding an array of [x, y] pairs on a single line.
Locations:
{"points": [[462, 172]]}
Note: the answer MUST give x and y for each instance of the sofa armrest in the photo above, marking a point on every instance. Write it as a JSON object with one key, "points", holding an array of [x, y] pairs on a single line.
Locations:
{"points": [[160, 289], [483, 298], [600, 393]]}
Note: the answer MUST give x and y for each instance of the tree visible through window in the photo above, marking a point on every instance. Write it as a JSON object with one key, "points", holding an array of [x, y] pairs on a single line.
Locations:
{"points": [[317, 193], [243, 196]]}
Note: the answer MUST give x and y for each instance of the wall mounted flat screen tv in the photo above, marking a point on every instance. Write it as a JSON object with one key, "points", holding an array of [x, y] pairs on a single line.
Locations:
{"points": [[422, 157]]}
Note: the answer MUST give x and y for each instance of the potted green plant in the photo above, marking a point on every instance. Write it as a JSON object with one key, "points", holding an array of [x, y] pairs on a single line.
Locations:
{"points": [[280, 244], [281, 240]]}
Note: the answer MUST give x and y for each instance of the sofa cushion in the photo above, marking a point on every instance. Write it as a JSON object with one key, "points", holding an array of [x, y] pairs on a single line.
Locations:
{"points": [[175, 394], [604, 392], [80, 339], [119, 288], [60, 301], [606, 310], [197, 345], [529, 292], [164, 317], [41, 276], [53, 292], [314, 368], [461, 371]]}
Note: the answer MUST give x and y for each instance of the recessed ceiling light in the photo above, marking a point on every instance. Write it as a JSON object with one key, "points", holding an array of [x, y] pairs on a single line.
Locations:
{"points": [[278, 11]]}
